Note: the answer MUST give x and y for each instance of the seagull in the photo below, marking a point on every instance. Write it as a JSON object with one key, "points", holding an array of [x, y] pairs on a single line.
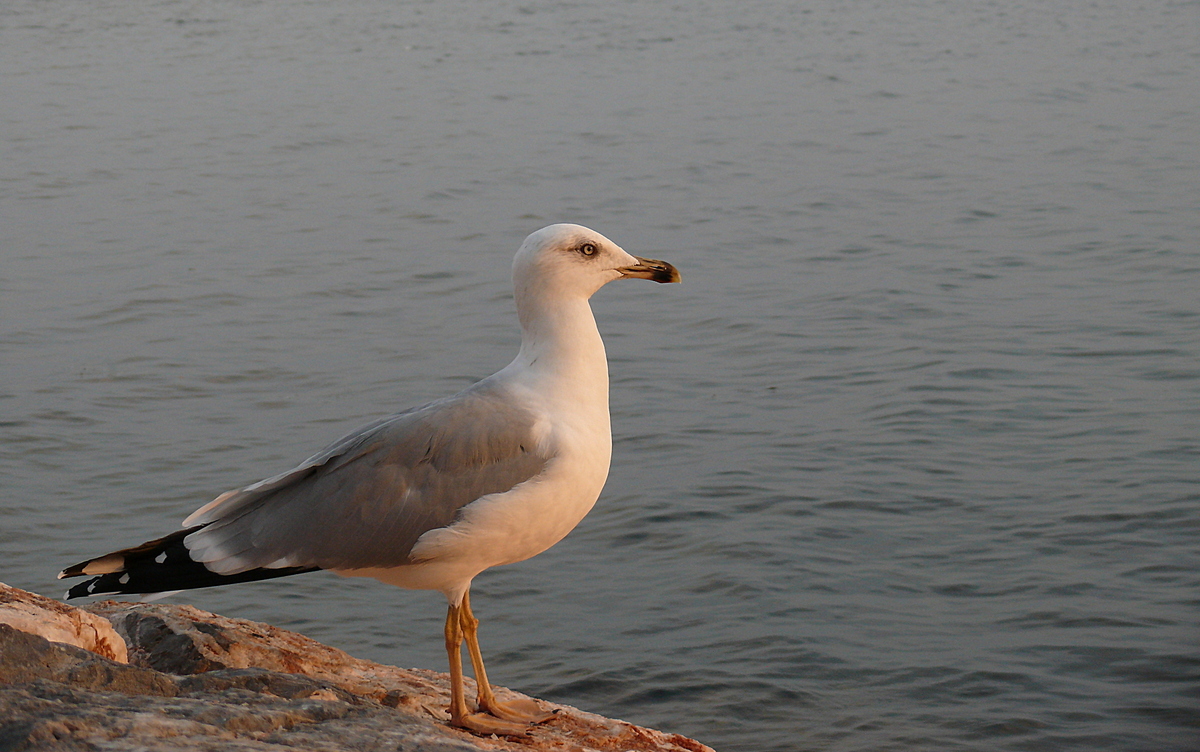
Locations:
{"points": [[430, 497]]}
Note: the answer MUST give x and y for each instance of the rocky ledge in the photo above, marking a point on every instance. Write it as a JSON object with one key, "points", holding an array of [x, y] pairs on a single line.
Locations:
{"points": [[136, 676]]}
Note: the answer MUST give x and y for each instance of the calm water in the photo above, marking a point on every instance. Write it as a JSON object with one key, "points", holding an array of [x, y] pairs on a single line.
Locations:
{"points": [[908, 462]]}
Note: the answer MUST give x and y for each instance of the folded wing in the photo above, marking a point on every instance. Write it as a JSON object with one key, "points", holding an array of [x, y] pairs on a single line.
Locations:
{"points": [[361, 502]]}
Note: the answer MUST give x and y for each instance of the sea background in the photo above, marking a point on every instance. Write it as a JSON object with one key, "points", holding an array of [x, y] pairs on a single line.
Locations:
{"points": [[909, 461]]}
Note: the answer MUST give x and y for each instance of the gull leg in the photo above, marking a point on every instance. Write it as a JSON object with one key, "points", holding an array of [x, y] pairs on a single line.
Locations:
{"points": [[459, 716], [517, 711], [458, 700]]}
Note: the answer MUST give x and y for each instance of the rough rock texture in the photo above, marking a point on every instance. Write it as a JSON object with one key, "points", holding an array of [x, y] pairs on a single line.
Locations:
{"points": [[59, 622], [198, 681]]}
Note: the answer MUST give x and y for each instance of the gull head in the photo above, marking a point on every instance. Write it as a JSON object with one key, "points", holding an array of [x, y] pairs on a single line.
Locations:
{"points": [[574, 262]]}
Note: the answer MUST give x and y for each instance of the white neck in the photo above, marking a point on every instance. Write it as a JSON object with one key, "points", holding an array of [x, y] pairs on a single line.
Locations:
{"points": [[561, 353]]}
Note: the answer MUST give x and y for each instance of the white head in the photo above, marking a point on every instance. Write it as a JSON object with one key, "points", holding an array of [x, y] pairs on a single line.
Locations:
{"points": [[571, 261]]}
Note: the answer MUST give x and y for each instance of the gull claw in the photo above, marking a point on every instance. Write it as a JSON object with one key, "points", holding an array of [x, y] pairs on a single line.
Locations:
{"points": [[519, 711], [481, 723]]}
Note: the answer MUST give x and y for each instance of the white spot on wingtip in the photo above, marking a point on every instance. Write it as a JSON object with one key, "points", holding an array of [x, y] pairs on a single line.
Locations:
{"points": [[124, 579], [160, 558]]}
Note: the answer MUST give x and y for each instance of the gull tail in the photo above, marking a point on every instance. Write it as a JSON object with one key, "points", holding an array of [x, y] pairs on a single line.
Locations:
{"points": [[158, 566]]}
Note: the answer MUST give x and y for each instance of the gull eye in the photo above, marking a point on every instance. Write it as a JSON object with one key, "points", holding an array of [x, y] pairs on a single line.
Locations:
{"points": [[587, 250]]}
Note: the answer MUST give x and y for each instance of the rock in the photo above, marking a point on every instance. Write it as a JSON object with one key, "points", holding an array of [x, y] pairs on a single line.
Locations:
{"points": [[26, 657], [199, 681], [185, 640], [59, 622]]}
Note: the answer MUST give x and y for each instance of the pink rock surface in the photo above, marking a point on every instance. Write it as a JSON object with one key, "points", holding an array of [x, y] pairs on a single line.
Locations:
{"points": [[197, 680], [58, 622]]}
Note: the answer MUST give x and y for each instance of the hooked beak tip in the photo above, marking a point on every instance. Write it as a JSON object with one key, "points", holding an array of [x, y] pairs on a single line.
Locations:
{"points": [[653, 269]]}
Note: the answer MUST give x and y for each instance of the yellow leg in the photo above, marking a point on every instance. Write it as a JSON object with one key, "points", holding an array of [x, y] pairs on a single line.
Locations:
{"points": [[517, 711], [480, 723], [454, 638]]}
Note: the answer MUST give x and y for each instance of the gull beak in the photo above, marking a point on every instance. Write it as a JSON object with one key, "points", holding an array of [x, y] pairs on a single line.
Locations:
{"points": [[659, 271]]}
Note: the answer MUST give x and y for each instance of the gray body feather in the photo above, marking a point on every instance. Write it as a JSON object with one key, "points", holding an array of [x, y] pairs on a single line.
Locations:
{"points": [[366, 499]]}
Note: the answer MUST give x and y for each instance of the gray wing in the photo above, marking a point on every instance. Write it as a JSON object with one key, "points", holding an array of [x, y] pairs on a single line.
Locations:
{"points": [[364, 500]]}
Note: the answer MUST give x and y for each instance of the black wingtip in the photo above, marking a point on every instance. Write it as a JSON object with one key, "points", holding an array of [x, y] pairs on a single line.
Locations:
{"points": [[157, 566], [105, 584]]}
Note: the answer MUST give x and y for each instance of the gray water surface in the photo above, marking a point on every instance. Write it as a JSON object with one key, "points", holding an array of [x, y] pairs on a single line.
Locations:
{"points": [[908, 462]]}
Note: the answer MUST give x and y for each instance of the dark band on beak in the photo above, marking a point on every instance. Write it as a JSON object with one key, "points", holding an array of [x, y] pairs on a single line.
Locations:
{"points": [[659, 271]]}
